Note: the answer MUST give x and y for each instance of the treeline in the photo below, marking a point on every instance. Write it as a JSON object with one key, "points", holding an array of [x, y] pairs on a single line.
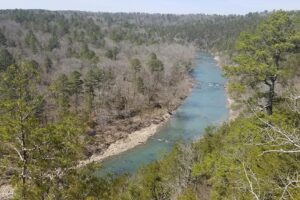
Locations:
{"points": [[206, 31]]}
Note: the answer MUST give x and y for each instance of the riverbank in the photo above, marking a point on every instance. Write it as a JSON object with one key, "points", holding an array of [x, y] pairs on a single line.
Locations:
{"points": [[141, 135], [123, 135], [134, 139], [233, 114]]}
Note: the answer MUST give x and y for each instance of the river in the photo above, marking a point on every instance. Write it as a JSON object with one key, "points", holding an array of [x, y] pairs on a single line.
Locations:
{"points": [[206, 105]]}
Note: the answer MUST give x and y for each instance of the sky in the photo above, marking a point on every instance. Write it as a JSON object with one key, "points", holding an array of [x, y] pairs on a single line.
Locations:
{"points": [[157, 6]]}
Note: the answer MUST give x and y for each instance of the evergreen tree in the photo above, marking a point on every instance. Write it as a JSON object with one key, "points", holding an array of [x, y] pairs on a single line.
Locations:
{"points": [[61, 91], [135, 65], [3, 40], [112, 53], [261, 56], [156, 67], [139, 84], [87, 54], [115, 52], [100, 77], [155, 64], [6, 59], [48, 64], [53, 43], [31, 41], [35, 156], [89, 89], [109, 54], [75, 86]]}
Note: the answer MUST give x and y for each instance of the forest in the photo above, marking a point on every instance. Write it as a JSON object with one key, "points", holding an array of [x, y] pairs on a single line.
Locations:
{"points": [[73, 83]]}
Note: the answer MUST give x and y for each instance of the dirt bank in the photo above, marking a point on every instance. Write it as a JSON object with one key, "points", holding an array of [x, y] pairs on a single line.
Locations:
{"points": [[132, 140], [222, 61]]}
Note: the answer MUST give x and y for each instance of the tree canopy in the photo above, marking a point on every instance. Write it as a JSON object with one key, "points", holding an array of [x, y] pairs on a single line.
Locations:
{"points": [[261, 56]]}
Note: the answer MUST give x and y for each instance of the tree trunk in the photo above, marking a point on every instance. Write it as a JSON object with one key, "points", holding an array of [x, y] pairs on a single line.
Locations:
{"points": [[271, 95], [271, 84], [24, 167], [76, 102]]}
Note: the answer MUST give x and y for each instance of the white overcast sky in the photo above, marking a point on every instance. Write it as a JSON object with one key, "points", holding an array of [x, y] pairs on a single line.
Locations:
{"points": [[157, 6]]}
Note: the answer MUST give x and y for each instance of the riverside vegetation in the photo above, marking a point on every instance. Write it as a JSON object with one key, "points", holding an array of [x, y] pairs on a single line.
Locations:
{"points": [[72, 83]]}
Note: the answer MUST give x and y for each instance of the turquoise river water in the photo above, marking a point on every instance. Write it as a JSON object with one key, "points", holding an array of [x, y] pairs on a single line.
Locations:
{"points": [[206, 105]]}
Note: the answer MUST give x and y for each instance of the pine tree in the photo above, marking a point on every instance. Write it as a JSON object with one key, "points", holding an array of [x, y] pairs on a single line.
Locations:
{"points": [[6, 59], [87, 54], [112, 53], [156, 67], [35, 156], [48, 64], [61, 91], [89, 89], [75, 86], [139, 84], [53, 43], [31, 42], [3, 40], [261, 56], [155, 64], [135, 65]]}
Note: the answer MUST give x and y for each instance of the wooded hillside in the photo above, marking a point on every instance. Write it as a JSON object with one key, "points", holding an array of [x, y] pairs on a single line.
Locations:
{"points": [[72, 83]]}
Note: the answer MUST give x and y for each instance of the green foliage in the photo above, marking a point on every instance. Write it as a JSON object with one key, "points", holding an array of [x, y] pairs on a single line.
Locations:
{"points": [[6, 59], [39, 151], [157, 180], [75, 86], [117, 35], [221, 161], [75, 83], [135, 65], [83, 184], [261, 55], [155, 64], [63, 27], [223, 155], [139, 84], [31, 42], [35, 155], [89, 85], [188, 194], [72, 53], [112, 53], [61, 92], [53, 43], [48, 64], [207, 32], [3, 40], [88, 54]]}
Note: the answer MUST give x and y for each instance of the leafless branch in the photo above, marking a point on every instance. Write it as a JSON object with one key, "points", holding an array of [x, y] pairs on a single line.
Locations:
{"points": [[290, 182], [256, 196]]}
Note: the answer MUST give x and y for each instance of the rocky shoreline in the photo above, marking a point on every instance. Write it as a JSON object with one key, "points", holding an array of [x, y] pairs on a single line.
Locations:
{"points": [[143, 130], [123, 135], [132, 140], [230, 101]]}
